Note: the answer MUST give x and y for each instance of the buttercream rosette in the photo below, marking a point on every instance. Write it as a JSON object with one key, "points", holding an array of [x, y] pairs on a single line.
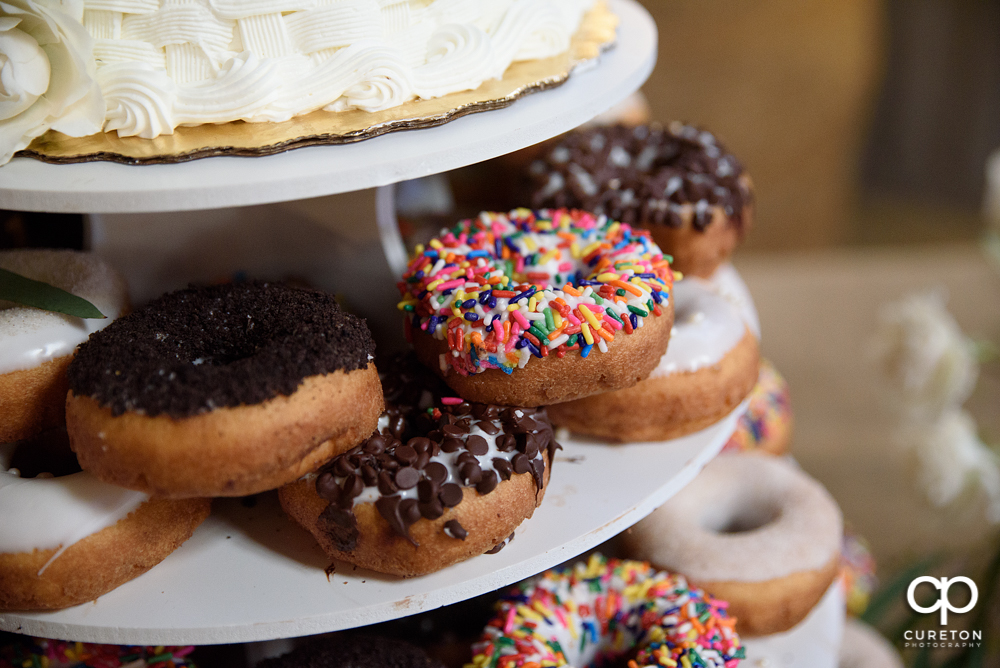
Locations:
{"points": [[46, 73]]}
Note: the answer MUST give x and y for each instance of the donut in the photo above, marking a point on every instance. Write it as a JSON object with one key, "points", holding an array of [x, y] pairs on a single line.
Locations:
{"points": [[709, 368], [69, 539], [441, 480], [678, 182], [44, 653], [766, 426], [857, 571], [510, 308], [225, 390], [354, 651], [36, 346], [728, 283], [752, 530], [604, 610]]}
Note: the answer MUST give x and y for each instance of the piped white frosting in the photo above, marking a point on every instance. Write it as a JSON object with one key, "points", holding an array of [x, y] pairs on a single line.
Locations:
{"points": [[30, 336], [706, 327], [50, 513], [165, 64]]}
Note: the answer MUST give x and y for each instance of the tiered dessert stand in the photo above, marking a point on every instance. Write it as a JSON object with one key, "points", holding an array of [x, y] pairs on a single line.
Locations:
{"points": [[248, 573]]}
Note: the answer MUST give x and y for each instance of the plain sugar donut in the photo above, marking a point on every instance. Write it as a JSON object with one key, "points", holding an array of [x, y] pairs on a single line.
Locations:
{"points": [[710, 366], [752, 530], [36, 346], [533, 308]]}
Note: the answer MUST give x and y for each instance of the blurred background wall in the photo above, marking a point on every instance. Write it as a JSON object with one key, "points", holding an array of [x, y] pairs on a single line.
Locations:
{"points": [[861, 121]]}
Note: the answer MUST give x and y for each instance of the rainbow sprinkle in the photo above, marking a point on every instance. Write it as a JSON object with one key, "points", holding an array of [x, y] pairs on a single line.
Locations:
{"points": [[768, 415], [503, 288], [42, 653], [601, 610]]}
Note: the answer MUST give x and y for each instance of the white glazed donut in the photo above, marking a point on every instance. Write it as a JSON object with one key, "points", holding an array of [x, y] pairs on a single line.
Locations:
{"points": [[69, 539], [710, 366], [752, 530], [728, 283], [36, 345]]}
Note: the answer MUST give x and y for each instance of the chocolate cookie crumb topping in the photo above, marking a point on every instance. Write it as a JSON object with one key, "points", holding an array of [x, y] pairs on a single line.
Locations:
{"points": [[194, 350]]}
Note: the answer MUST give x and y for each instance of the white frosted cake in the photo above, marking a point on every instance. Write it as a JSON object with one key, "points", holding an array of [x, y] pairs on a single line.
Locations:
{"points": [[145, 67]]}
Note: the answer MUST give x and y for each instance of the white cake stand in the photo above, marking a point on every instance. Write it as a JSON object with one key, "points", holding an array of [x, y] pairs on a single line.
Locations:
{"points": [[248, 573], [102, 187], [251, 574]]}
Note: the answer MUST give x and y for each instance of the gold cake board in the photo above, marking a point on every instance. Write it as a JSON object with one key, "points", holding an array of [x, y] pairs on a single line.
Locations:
{"points": [[596, 34]]}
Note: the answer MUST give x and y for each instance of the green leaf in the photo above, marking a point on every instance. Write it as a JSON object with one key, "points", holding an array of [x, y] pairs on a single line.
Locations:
{"points": [[27, 292]]}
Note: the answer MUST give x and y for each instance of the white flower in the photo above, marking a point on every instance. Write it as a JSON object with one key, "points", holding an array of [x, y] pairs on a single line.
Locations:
{"points": [[46, 73], [950, 458], [925, 355]]}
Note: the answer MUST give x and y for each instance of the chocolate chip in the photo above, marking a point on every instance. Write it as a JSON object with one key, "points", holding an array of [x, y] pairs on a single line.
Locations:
{"points": [[503, 467], [477, 445], [453, 431], [521, 463], [489, 428], [342, 467], [462, 409], [405, 455], [409, 510], [327, 487], [437, 472], [432, 510], [389, 508], [506, 442], [450, 495], [451, 445], [420, 444], [487, 483], [471, 473], [422, 460], [369, 475], [375, 444], [427, 490], [485, 411], [386, 485], [407, 477], [453, 529], [352, 486]]}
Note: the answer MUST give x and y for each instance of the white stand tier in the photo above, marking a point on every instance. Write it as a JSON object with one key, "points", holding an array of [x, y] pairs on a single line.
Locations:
{"points": [[251, 574], [209, 183]]}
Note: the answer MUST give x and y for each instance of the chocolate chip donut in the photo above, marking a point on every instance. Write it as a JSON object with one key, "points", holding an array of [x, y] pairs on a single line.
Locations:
{"points": [[222, 391], [678, 182], [441, 480]]}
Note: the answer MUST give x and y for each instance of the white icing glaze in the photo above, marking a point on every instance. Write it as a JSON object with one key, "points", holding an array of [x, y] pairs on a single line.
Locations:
{"points": [[29, 336], [271, 60], [728, 283], [706, 327], [698, 532], [50, 513]]}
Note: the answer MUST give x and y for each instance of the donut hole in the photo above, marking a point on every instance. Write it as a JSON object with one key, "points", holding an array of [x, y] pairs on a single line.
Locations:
{"points": [[741, 517], [46, 455]]}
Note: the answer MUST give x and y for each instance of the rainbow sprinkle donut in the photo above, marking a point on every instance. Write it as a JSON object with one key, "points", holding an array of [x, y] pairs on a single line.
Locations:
{"points": [[603, 609], [517, 291], [42, 653], [857, 568], [767, 423]]}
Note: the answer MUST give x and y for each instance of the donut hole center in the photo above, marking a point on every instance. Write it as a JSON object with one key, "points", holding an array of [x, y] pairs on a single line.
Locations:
{"points": [[742, 518], [46, 455]]}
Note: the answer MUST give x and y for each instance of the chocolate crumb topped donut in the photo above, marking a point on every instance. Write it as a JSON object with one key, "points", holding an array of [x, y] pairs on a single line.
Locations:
{"points": [[679, 182], [440, 481], [222, 391]]}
